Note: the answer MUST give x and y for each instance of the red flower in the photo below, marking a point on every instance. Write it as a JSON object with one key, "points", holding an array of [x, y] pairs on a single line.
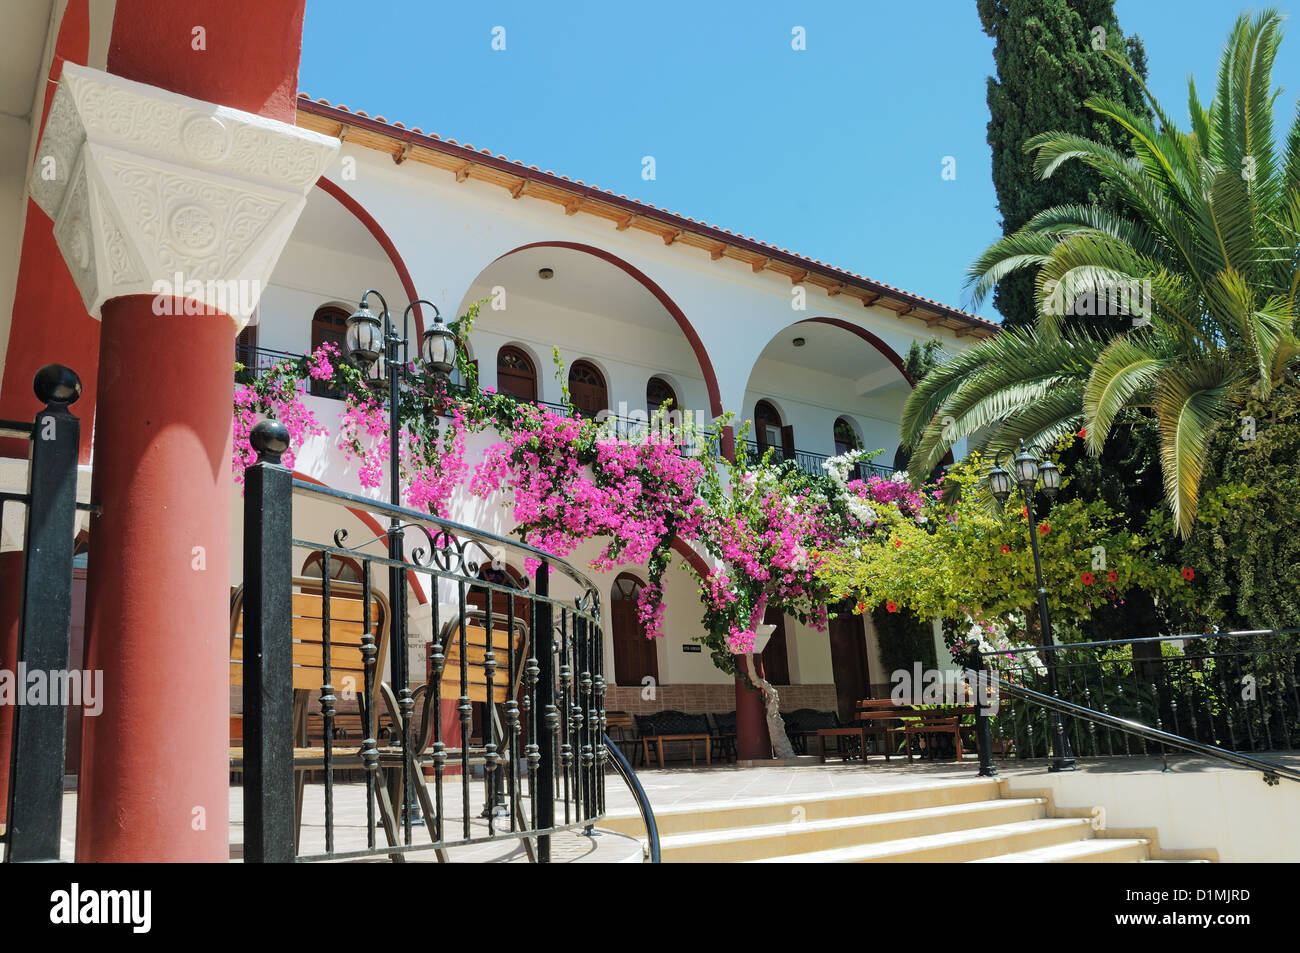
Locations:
{"points": [[1113, 576], [1087, 578], [1189, 573], [862, 607], [1044, 528], [1005, 549], [1025, 511], [898, 544], [1083, 433], [891, 606]]}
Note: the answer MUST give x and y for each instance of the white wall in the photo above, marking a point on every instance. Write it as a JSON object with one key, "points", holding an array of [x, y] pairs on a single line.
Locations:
{"points": [[1232, 811]]}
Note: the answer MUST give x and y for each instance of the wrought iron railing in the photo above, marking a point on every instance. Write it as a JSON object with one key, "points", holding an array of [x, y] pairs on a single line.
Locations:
{"points": [[813, 463], [1222, 695], [529, 656], [34, 748]]}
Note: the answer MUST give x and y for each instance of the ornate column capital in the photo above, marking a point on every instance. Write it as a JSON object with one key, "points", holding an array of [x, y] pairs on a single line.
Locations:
{"points": [[152, 192]]}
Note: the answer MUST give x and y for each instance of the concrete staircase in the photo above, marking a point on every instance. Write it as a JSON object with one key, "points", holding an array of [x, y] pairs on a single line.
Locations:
{"points": [[955, 821]]}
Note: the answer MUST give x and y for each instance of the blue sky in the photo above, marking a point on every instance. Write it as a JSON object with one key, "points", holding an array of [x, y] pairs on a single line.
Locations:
{"points": [[835, 151]]}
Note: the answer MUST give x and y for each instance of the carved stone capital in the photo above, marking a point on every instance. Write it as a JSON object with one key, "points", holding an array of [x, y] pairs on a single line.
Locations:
{"points": [[152, 192]]}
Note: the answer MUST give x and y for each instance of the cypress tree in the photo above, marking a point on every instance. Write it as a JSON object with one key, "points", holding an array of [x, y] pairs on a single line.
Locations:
{"points": [[1048, 62]]}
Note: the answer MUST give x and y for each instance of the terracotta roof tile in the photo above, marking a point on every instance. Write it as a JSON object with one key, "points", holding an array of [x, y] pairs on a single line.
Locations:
{"points": [[651, 207]]}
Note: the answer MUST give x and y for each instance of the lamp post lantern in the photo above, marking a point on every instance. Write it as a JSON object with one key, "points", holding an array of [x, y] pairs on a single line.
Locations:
{"points": [[373, 346], [1027, 469]]}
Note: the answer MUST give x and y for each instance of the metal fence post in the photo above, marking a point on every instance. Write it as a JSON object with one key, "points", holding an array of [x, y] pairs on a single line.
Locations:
{"points": [[545, 715], [983, 734], [39, 730], [269, 835]]}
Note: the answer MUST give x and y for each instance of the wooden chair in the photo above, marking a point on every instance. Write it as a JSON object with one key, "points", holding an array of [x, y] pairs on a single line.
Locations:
{"points": [[622, 731], [503, 689], [347, 674]]}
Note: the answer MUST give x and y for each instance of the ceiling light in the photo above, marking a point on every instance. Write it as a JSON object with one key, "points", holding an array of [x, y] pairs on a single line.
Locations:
{"points": [[545, 273], [799, 342]]}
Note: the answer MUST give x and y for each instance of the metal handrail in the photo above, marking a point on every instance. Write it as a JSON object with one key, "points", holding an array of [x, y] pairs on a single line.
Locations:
{"points": [[1271, 770], [629, 777], [1065, 646]]}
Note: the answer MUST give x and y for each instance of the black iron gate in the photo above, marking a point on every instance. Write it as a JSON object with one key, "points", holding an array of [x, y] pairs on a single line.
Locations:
{"points": [[526, 651], [35, 796]]}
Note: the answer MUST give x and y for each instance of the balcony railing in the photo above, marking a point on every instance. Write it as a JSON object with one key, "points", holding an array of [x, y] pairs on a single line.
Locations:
{"points": [[812, 463], [256, 361]]}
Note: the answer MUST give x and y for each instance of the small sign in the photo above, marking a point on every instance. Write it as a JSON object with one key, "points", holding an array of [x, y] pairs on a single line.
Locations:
{"points": [[691, 648]]}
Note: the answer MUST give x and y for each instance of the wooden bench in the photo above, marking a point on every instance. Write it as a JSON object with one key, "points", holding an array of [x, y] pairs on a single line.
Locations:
{"points": [[924, 723], [674, 726], [804, 723], [347, 612]]}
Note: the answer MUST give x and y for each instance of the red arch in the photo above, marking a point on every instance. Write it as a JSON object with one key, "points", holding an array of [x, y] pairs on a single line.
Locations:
{"points": [[701, 355], [381, 236], [890, 354], [880, 346], [373, 525], [691, 556]]}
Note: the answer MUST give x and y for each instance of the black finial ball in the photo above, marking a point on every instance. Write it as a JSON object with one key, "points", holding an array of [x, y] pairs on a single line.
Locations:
{"points": [[56, 384], [269, 438]]}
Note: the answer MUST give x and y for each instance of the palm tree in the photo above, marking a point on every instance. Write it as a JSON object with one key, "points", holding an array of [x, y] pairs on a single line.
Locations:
{"points": [[1209, 239]]}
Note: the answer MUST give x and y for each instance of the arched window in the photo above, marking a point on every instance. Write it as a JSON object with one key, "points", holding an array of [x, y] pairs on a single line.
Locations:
{"points": [[634, 655], [770, 432], [659, 392], [587, 389], [846, 438], [516, 376], [328, 324]]}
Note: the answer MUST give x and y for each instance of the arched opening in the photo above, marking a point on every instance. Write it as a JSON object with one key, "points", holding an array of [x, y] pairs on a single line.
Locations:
{"points": [[516, 375], [635, 656], [846, 438], [657, 393], [328, 325], [587, 389], [584, 280], [771, 432]]}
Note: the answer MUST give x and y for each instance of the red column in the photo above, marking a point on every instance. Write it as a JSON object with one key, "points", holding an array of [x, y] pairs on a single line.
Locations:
{"points": [[154, 764], [11, 590], [753, 742]]}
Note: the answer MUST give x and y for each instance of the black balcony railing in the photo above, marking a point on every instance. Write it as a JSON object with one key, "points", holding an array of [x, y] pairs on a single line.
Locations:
{"points": [[813, 463]]}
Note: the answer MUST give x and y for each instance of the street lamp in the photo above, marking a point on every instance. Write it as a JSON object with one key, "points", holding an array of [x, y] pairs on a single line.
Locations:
{"points": [[373, 346], [1028, 469]]}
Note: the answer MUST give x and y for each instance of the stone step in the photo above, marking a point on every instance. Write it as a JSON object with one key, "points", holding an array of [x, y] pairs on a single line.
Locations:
{"points": [[953, 846], [796, 837], [781, 809], [1099, 850]]}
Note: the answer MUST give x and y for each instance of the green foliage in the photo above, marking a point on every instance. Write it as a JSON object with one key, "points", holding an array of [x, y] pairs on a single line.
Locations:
{"points": [[1208, 234], [1244, 548], [1047, 66], [971, 558], [904, 637]]}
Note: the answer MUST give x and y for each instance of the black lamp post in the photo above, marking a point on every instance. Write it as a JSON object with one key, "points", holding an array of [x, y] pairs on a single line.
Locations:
{"points": [[373, 346], [1027, 469]]}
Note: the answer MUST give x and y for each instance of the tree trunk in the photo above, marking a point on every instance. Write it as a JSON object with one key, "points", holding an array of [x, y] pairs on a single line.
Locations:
{"points": [[781, 748]]}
